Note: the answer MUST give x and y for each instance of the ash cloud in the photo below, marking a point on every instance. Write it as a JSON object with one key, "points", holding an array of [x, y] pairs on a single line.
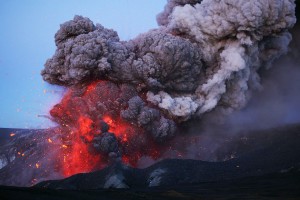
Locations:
{"points": [[206, 58], [205, 55]]}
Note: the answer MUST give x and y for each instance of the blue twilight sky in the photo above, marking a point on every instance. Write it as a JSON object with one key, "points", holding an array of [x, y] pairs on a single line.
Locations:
{"points": [[27, 31]]}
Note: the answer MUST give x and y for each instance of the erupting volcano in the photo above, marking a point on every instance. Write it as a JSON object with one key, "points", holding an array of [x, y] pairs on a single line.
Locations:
{"points": [[127, 100]]}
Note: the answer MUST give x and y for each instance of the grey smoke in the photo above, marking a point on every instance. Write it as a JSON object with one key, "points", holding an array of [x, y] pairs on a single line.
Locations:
{"points": [[106, 143], [163, 17], [149, 118], [276, 104], [205, 56]]}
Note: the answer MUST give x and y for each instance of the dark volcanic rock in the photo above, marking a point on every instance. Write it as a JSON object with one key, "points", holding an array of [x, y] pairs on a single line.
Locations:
{"points": [[272, 186], [256, 153], [27, 157], [265, 152]]}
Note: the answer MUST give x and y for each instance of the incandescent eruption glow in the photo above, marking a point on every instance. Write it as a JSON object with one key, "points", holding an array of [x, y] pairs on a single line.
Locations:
{"points": [[94, 134]]}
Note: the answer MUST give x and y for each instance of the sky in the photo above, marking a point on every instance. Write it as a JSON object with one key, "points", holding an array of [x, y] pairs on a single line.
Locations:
{"points": [[27, 31]]}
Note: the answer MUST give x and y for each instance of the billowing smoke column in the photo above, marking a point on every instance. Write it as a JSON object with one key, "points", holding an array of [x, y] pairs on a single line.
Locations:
{"points": [[126, 98]]}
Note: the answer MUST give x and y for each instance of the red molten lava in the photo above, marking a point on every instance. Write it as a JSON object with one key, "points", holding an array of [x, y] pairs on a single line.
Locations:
{"points": [[76, 156], [78, 159], [81, 115], [85, 128], [120, 128]]}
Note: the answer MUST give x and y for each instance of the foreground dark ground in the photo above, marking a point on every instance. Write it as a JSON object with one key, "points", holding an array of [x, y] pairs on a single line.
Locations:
{"points": [[273, 186], [267, 167]]}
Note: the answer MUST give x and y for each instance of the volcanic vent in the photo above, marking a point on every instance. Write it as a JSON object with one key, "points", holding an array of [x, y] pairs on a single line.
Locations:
{"points": [[126, 99]]}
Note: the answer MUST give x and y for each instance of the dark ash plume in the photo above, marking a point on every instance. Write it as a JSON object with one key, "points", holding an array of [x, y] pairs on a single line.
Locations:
{"points": [[205, 56]]}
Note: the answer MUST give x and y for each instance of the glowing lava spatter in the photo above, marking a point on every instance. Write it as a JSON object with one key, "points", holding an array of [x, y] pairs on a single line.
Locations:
{"points": [[85, 128], [83, 114]]}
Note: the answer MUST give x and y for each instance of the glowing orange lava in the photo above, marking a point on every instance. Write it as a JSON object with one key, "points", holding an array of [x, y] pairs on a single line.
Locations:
{"points": [[81, 114], [119, 127], [78, 159], [85, 128]]}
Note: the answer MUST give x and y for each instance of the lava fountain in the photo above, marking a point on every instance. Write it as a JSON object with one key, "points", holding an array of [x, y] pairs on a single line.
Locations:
{"points": [[93, 131]]}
